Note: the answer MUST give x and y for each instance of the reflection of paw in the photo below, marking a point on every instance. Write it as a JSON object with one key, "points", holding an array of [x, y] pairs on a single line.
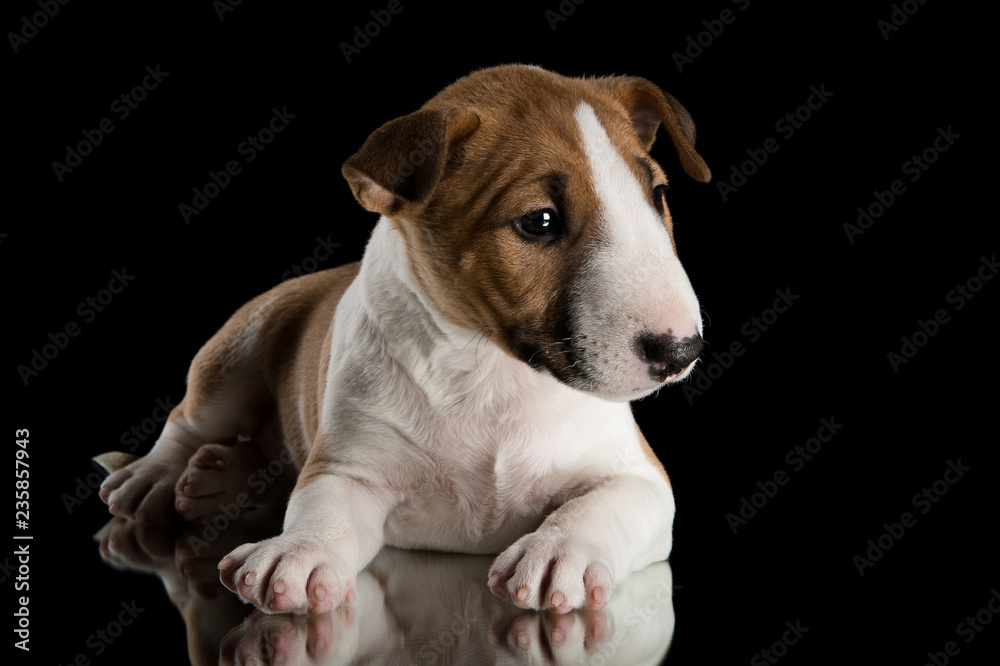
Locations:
{"points": [[143, 490], [543, 638], [215, 475], [288, 574], [127, 544], [132, 545], [546, 572], [286, 639]]}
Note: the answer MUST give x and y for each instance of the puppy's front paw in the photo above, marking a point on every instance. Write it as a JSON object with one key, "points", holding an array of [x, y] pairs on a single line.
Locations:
{"points": [[288, 574], [551, 572], [143, 490]]}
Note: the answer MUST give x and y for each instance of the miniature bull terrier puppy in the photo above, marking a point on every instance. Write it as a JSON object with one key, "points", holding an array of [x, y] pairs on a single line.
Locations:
{"points": [[466, 386]]}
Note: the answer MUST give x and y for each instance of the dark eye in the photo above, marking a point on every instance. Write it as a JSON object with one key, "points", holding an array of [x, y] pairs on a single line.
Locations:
{"points": [[660, 198], [538, 224]]}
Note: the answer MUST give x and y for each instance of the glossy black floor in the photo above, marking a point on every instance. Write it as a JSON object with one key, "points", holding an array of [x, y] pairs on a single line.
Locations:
{"points": [[830, 457]]}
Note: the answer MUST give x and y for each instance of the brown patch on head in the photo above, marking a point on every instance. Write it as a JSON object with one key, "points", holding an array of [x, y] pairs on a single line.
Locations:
{"points": [[647, 107], [495, 146], [525, 157]]}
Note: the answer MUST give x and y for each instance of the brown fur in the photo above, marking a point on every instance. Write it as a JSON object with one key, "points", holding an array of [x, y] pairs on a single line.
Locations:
{"points": [[455, 207], [295, 322]]}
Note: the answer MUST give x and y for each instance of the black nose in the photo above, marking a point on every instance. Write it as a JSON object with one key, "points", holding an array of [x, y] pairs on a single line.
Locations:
{"points": [[666, 354]]}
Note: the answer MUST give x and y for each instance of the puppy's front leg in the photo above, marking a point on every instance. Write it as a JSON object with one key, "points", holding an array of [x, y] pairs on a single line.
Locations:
{"points": [[609, 528], [333, 528]]}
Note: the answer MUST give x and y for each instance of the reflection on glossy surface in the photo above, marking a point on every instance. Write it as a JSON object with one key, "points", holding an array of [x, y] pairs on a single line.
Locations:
{"points": [[410, 608], [186, 561]]}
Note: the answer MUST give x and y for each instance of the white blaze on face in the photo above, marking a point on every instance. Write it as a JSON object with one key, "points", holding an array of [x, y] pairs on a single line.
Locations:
{"points": [[631, 282]]}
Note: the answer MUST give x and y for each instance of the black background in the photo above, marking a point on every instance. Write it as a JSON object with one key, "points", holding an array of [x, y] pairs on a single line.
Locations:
{"points": [[826, 357]]}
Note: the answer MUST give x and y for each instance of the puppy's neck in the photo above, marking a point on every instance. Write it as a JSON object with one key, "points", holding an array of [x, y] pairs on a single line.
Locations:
{"points": [[392, 297], [413, 330]]}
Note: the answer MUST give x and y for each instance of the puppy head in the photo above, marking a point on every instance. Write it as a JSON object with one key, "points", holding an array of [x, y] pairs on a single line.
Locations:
{"points": [[529, 205]]}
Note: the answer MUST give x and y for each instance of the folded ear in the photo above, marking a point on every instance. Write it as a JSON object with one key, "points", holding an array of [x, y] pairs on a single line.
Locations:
{"points": [[400, 164], [647, 107]]}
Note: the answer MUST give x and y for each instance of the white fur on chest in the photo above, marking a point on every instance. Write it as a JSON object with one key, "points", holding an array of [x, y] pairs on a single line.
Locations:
{"points": [[478, 445]]}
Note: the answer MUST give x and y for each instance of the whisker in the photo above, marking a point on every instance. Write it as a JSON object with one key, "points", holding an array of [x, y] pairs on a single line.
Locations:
{"points": [[553, 344], [485, 338], [477, 334]]}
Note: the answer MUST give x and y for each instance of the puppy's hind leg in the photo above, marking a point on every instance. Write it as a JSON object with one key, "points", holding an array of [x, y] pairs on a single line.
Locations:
{"points": [[226, 397]]}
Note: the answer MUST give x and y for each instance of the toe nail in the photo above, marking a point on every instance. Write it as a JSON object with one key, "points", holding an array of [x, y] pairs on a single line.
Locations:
{"points": [[225, 563], [598, 595], [220, 463], [522, 593], [279, 587], [250, 578], [320, 593], [557, 599]]}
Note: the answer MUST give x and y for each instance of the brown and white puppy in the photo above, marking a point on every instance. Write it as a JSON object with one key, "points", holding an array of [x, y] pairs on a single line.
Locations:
{"points": [[464, 387]]}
